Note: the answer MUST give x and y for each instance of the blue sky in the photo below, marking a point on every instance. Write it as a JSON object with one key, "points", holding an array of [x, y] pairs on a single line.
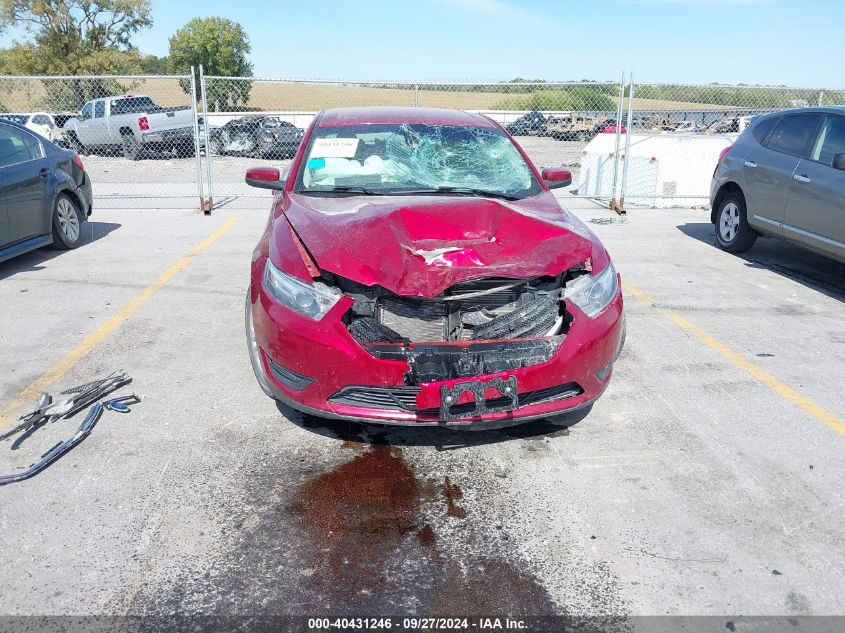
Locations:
{"points": [[690, 41]]}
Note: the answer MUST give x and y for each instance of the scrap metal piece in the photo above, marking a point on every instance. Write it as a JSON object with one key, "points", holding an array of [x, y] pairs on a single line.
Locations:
{"points": [[89, 394], [31, 419], [88, 385], [121, 404], [59, 449], [80, 397]]}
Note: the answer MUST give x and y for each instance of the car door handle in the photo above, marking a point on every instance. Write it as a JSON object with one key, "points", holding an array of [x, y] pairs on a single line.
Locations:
{"points": [[44, 172], [801, 178], [750, 163]]}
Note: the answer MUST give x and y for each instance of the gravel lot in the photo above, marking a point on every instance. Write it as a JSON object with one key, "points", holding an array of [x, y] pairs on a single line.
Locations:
{"points": [[692, 487]]}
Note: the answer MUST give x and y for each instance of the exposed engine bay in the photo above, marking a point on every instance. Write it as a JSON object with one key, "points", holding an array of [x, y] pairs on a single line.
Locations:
{"points": [[475, 328]]}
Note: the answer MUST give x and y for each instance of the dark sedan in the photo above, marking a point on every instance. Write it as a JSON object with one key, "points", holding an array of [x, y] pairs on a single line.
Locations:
{"points": [[259, 136], [45, 193], [531, 124]]}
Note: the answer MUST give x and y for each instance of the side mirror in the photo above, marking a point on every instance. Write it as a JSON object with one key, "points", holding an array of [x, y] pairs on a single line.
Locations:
{"points": [[556, 177], [264, 178], [839, 161]]}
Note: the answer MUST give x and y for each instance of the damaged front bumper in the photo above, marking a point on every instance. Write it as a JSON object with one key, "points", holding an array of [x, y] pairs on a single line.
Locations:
{"points": [[319, 368]]}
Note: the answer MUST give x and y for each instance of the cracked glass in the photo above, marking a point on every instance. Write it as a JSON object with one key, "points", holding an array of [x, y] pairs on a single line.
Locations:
{"points": [[415, 159]]}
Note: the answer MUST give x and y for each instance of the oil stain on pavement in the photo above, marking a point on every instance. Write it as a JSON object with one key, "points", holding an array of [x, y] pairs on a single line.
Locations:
{"points": [[368, 513], [367, 536], [359, 513]]}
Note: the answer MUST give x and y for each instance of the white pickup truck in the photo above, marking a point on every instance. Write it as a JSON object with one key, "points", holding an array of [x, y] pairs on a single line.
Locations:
{"points": [[133, 123]]}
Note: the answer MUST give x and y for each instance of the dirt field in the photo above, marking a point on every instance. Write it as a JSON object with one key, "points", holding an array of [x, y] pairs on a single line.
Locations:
{"points": [[29, 95]]}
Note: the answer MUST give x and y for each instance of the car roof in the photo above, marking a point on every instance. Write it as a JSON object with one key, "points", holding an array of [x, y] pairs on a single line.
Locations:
{"points": [[399, 115], [20, 126], [11, 123], [837, 109]]}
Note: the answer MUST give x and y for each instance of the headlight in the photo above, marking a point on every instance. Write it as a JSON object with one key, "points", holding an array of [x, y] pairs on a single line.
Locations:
{"points": [[308, 299], [592, 294]]}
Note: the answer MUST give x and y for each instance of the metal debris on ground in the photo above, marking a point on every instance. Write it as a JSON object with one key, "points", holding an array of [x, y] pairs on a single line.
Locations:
{"points": [[121, 404], [605, 220], [80, 397]]}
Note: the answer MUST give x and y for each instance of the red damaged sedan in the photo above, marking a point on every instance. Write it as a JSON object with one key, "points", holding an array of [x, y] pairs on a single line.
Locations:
{"points": [[416, 269]]}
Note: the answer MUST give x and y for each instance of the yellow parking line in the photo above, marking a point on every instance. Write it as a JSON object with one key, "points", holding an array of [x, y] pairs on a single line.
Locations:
{"points": [[799, 400], [58, 370]]}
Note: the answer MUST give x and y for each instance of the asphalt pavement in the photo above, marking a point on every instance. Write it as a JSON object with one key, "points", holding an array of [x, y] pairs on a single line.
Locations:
{"points": [[706, 481]]}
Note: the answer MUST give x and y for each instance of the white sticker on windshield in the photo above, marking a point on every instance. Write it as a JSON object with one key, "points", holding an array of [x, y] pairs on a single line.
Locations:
{"points": [[334, 148]]}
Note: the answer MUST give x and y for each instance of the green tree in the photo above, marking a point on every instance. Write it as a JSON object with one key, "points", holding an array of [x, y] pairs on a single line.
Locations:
{"points": [[74, 37], [579, 98], [152, 65], [221, 46]]}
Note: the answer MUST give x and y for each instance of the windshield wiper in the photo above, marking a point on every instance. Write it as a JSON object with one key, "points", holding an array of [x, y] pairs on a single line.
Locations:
{"points": [[345, 189], [433, 191], [461, 191]]}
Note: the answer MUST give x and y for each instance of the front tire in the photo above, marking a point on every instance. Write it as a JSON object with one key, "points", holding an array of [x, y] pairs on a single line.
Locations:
{"points": [[67, 222], [74, 143], [733, 233], [131, 147]]}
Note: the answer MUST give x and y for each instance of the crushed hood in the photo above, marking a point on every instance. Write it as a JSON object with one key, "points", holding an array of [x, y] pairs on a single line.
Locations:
{"points": [[422, 245]]}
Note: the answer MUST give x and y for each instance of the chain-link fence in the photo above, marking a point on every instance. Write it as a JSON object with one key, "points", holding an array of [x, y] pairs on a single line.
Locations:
{"points": [[256, 121], [137, 135], [625, 143], [677, 133]]}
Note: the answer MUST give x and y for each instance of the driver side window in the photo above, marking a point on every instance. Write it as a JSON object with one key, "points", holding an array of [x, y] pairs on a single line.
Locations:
{"points": [[17, 146], [831, 140]]}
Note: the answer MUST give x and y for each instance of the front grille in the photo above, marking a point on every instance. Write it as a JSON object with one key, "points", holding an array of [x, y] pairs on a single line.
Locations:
{"points": [[378, 397], [432, 320]]}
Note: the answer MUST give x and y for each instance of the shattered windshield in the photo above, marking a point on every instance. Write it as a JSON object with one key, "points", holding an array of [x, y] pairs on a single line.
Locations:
{"points": [[414, 159]]}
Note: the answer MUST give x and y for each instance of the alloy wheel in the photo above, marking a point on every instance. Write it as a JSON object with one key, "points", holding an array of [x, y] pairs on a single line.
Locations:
{"points": [[729, 222], [68, 219]]}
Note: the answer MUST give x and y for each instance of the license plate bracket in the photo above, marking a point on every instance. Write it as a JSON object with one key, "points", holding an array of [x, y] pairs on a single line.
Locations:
{"points": [[508, 399]]}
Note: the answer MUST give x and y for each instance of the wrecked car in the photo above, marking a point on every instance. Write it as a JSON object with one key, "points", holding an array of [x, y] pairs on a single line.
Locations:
{"points": [[259, 136], [417, 269], [571, 128], [531, 124]]}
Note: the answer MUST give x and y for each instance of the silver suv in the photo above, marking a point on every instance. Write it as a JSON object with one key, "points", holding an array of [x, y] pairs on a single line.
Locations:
{"points": [[784, 177]]}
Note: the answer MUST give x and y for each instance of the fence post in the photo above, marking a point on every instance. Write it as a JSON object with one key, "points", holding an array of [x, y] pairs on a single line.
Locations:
{"points": [[197, 164], [627, 142], [209, 203], [616, 152], [821, 98]]}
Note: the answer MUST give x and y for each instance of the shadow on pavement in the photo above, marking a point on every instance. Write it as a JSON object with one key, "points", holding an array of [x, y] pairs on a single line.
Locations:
{"points": [[441, 438], [29, 262], [805, 267]]}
